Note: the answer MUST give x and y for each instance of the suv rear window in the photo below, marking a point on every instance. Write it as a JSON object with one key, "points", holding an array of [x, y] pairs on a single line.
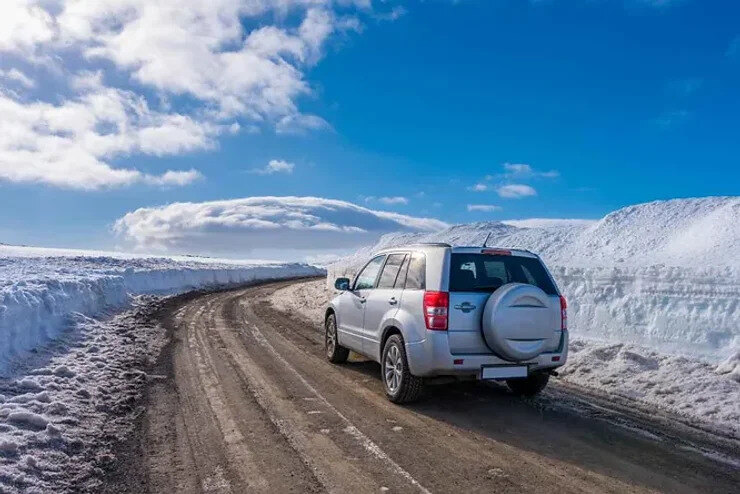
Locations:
{"points": [[486, 273]]}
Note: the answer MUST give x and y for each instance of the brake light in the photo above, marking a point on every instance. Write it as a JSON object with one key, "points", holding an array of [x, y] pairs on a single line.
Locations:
{"points": [[563, 313], [496, 252], [436, 305]]}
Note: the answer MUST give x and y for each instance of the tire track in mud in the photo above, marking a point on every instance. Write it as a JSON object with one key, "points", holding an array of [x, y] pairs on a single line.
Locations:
{"points": [[250, 405]]}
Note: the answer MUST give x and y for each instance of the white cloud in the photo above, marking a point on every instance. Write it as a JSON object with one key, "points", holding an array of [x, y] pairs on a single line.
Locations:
{"points": [[518, 168], [515, 191], [201, 58], [393, 200], [479, 187], [178, 178], [521, 170], [275, 166], [24, 24], [387, 200], [300, 124], [488, 208], [240, 225], [17, 76], [68, 144]]}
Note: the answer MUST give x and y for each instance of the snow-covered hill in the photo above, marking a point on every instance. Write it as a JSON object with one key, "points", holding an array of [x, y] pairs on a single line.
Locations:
{"points": [[665, 274], [40, 289]]}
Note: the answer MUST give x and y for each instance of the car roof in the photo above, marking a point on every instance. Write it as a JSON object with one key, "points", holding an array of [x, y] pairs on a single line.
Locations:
{"points": [[431, 247]]}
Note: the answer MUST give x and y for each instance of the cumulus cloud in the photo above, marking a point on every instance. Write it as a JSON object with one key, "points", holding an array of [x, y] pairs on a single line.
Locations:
{"points": [[242, 225], [69, 144], [487, 208], [388, 200], [274, 166], [186, 71], [515, 191]]}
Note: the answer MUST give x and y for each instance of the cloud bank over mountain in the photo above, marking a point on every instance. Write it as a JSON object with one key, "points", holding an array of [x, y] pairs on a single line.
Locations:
{"points": [[238, 226]]}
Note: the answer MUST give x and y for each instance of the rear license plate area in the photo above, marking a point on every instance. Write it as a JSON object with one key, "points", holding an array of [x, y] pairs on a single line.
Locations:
{"points": [[503, 371]]}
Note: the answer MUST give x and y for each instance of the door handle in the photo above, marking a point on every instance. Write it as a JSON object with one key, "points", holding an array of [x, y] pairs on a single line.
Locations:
{"points": [[393, 301], [361, 300]]}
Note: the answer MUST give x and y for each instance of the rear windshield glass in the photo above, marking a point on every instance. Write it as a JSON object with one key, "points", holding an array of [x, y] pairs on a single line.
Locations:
{"points": [[486, 273]]}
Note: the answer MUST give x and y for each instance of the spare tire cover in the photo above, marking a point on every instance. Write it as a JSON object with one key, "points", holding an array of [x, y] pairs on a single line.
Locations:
{"points": [[517, 321]]}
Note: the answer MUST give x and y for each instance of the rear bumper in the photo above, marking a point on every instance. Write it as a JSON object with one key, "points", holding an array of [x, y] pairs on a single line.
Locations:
{"points": [[432, 357]]}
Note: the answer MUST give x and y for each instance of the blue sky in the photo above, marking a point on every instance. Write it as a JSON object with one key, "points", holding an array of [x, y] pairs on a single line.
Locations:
{"points": [[413, 105]]}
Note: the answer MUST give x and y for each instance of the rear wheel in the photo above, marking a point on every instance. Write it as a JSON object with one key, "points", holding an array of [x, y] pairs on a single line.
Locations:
{"points": [[335, 353], [400, 385], [530, 385]]}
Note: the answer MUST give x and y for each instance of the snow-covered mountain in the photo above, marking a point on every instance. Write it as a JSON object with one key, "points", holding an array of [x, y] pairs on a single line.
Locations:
{"points": [[664, 274]]}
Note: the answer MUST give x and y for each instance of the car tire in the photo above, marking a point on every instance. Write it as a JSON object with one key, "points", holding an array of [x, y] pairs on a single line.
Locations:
{"points": [[400, 385], [530, 385], [335, 353]]}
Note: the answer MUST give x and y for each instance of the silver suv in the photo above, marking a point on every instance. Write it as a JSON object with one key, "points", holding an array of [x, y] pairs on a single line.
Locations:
{"points": [[430, 310]]}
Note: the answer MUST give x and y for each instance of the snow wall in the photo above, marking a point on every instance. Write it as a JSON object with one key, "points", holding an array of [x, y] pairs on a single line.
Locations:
{"points": [[664, 274], [39, 294]]}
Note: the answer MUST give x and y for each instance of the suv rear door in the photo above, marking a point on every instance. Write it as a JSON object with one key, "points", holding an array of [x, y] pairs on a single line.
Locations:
{"points": [[473, 277]]}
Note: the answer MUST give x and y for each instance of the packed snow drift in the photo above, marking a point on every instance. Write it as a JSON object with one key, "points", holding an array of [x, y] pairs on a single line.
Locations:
{"points": [[665, 274], [41, 289]]}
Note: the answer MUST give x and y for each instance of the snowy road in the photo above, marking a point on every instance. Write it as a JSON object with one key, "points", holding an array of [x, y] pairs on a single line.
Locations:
{"points": [[243, 401]]}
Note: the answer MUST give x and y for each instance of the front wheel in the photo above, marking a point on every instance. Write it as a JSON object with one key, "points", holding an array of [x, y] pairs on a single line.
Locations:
{"points": [[530, 385], [400, 385], [335, 353]]}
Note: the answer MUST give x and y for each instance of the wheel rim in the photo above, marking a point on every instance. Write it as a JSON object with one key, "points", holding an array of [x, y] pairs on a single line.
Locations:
{"points": [[331, 337], [393, 369]]}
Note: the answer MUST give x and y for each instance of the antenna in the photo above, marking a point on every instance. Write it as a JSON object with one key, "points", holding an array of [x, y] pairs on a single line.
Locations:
{"points": [[486, 240]]}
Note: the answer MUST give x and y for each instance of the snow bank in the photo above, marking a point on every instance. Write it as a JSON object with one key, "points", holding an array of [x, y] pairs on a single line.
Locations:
{"points": [[41, 288], [60, 424], [665, 274]]}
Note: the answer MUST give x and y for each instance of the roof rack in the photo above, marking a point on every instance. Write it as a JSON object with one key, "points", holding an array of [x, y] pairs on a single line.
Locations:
{"points": [[433, 244]]}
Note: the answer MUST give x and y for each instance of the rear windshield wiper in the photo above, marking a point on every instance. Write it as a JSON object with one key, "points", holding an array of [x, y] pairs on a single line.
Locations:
{"points": [[487, 287]]}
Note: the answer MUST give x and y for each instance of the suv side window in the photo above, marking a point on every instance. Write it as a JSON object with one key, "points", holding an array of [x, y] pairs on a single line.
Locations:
{"points": [[401, 279], [366, 279], [416, 279], [390, 270]]}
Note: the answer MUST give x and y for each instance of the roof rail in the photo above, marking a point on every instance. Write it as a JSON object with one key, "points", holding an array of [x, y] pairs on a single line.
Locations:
{"points": [[433, 244]]}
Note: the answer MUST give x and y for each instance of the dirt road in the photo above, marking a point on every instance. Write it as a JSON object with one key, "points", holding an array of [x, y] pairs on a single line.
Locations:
{"points": [[243, 401]]}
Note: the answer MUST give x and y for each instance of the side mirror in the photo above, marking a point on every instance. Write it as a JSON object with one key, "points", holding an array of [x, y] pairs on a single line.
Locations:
{"points": [[342, 284]]}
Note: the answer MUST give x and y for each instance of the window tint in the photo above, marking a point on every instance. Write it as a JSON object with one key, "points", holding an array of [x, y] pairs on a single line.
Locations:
{"points": [[417, 274], [485, 273], [366, 278], [390, 270], [401, 280]]}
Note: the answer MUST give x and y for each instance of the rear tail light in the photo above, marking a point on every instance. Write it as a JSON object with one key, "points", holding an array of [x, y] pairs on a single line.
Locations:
{"points": [[563, 313], [436, 305]]}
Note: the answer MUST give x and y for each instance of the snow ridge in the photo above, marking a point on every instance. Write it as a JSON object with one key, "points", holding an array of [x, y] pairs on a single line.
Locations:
{"points": [[39, 295]]}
